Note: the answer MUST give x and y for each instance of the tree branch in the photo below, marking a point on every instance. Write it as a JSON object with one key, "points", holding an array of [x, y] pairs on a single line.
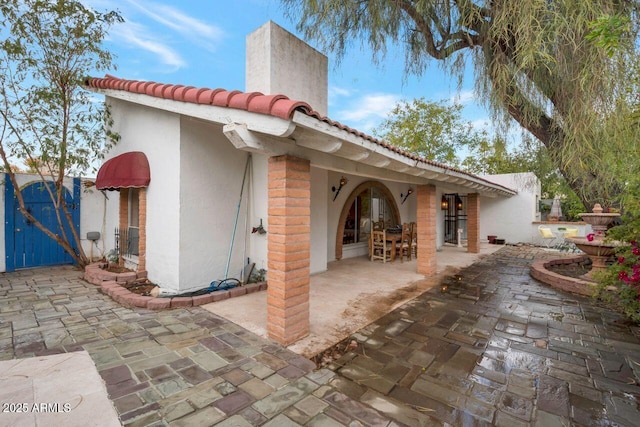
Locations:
{"points": [[465, 39]]}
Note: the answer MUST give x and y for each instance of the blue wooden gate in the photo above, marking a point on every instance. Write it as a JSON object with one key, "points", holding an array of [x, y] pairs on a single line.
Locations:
{"points": [[25, 244]]}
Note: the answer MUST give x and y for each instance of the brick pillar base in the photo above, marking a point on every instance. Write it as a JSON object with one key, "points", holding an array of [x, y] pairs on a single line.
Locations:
{"points": [[473, 223], [288, 242], [426, 220]]}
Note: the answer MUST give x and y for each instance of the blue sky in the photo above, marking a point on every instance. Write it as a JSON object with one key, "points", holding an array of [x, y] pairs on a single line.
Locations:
{"points": [[202, 43]]}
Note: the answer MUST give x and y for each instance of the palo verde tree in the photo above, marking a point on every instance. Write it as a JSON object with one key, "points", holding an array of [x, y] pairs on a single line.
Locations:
{"points": [[547, 64], [47, 49], [433, 130]]}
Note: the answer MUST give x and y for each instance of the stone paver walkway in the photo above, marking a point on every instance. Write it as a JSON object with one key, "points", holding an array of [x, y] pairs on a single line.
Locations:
{"points": [[183, 367], [496, 348]]}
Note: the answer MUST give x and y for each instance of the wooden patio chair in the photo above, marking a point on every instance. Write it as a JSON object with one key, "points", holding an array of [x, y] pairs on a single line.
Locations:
{"points": [[379, 247], [403, 247], [414, 240]]}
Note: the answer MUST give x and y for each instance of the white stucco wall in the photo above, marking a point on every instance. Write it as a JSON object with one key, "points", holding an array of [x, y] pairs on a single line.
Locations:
{"points": [[157, 134], [510, 218], [211, 175], [258, 210], [98, 213], [280, 63], [319, 210], [259, 207]]}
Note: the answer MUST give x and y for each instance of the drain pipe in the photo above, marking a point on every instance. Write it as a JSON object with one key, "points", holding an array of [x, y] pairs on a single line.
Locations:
{"points": [[235, 223]]}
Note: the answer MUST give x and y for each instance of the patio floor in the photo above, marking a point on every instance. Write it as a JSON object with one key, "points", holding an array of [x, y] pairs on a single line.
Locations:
{"points": [[497, 348], [351, 294]]}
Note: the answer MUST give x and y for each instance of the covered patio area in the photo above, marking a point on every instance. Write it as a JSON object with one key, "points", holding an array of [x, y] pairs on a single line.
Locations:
{"points": [[351, 294]]}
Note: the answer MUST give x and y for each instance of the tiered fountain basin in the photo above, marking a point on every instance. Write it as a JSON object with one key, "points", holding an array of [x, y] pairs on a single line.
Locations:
{"points": [[594, 247], [598, 250], [541, 271]]}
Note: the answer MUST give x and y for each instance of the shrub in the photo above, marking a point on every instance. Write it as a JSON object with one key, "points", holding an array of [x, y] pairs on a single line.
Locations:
{"points": [[623, 278], [621, 281]]}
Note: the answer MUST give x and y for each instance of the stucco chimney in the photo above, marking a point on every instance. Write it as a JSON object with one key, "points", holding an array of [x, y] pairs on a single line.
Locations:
{"points": [[280, 63]]}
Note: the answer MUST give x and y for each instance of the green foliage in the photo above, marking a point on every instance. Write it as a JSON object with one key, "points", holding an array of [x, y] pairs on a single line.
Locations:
{"points": [[433, 130], [621, 282], [609, 31], [258, 276], [564, 70], [51, 124], [436, 131], [571, 205]]}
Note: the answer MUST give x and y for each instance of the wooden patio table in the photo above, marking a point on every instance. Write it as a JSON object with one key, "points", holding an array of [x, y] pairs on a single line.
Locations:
{"points": [[394, 237]]}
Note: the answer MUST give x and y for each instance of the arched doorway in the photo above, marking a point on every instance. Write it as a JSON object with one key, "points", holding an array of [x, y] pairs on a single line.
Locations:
{"points": [[369, 202]]}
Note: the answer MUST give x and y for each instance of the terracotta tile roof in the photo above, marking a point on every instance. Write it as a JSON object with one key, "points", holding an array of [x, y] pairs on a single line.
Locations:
{"points": [[255, 102], [275, 105]]}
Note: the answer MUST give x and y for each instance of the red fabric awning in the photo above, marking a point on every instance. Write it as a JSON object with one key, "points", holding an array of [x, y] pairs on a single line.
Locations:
{"points": [[128, 170]]}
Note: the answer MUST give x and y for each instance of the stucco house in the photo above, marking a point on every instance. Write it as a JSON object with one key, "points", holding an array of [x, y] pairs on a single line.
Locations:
{"points": [[199, 169]]}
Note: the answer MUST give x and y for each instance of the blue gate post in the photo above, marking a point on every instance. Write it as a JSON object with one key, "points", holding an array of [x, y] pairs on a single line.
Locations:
{"points": [[9, 226], [77, 187]]}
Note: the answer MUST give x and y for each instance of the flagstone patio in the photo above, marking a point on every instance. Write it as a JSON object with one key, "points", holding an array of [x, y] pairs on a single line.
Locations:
{"points": [[496, 348]]}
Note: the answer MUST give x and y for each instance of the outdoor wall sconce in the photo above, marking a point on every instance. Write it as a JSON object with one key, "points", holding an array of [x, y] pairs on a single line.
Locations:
{"points": [[458, 203], [444, 203], [403, 197], [259, 229], [343, 182]]}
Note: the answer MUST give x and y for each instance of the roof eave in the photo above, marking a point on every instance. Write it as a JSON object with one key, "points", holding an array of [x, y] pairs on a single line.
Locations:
{"points": [[342, 143], [241, 128]]}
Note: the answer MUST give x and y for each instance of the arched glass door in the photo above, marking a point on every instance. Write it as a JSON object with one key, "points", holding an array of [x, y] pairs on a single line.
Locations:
{"points": [[370, 209]]}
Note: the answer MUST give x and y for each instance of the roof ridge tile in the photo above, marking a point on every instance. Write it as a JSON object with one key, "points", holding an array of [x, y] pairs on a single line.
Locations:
{"points": [[264, 103], [276, 105], [222, 98], [206, 97], [242, 100]]}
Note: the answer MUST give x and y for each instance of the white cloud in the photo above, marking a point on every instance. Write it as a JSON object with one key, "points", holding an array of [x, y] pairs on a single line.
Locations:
{"points": [[137, 35], [206, 35], [481, 124], [366, 112], [464, 97], [375, 106], [335, 91]]}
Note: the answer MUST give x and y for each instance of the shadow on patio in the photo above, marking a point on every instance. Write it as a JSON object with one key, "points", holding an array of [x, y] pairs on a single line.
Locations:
{"points": [[351, 294]]}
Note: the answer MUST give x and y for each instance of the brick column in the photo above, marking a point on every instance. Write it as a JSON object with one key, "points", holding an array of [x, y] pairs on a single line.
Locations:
{"points": [[123, 221], [142, 229], [124, 208], [289, 240], [426, 220], [473, 223]]}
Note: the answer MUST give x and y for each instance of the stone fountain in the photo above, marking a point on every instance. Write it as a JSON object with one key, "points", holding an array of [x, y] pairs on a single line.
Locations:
{"points": [[594, 246]]}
